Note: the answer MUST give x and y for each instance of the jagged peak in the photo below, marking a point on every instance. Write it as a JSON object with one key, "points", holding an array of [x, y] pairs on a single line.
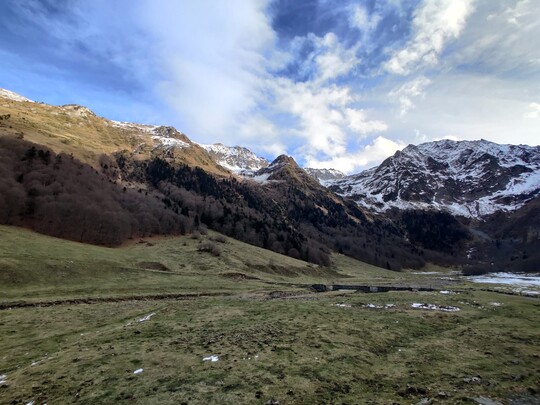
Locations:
{"points": [[468, 178], [79, 110], [324, 176], [237, 159], [283, 160]]}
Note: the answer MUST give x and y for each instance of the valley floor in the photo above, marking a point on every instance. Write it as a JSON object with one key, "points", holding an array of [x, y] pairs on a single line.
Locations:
{"points": [[160, 322]]}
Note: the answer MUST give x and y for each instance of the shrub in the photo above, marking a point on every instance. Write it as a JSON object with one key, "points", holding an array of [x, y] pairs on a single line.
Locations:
{"points": [[219, 238], [210, 247]]}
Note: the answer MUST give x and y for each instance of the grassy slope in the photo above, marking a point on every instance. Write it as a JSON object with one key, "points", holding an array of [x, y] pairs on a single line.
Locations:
{"points": [[35, 266], [303, 350], [87, 136]]}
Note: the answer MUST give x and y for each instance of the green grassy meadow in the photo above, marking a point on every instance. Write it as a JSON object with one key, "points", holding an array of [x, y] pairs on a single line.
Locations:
{"points": [[274, 338]]}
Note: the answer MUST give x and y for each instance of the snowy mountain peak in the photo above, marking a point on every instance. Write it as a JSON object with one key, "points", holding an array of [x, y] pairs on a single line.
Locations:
{"points": [[236, 158], [468, 178], [324, 176], [169, 137], [10, 95]]}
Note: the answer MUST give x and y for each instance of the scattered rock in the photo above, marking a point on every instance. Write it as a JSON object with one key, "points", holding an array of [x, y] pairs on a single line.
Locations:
{"points": [[258, 394], [442, 394], [272, 402], [485, 401], [412, 390], [474, 379]]}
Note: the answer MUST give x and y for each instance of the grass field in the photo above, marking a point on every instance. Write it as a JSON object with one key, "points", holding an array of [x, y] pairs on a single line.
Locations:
{"points": [[273, 337]]}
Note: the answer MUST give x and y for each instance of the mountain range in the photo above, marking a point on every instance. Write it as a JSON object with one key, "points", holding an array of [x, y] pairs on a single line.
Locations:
{"points": [[470, 203]]}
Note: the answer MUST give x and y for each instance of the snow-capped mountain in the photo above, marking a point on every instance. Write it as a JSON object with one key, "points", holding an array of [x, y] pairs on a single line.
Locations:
{"points": [[325, 176], [467, 178], [236, 158]]}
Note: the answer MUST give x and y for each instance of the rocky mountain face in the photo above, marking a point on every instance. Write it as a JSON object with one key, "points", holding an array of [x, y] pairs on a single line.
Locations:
{"points": [[325, 176], [468, 178], [237, 159], [477, 200]]}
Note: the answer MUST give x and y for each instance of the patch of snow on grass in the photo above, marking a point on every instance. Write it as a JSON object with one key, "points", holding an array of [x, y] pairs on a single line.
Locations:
{"points": [[3, 378], [343, 305], [170, 142], [375, 306], [528, 293], [138, 371], [130, 125], [514, 279], [434, 307], [146, 318], [213, 358]]}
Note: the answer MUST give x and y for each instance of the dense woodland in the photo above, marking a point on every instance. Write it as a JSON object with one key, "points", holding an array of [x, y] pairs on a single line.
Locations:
{"points": [[59, 196]]}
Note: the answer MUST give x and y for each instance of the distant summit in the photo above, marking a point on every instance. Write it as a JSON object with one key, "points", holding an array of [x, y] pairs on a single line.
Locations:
{"points": [[325, 175], [467, 178], [236, 158]]}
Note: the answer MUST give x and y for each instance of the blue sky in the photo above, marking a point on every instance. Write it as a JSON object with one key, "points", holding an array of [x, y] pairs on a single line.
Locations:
{"points": [[340, 84]]}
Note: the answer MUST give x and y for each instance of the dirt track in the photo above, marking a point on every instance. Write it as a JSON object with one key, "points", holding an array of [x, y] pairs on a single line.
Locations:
{"points": [[98, 300]]}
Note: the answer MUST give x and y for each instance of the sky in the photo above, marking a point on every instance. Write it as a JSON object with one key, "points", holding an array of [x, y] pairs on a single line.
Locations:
{"points": [[335, 84]]}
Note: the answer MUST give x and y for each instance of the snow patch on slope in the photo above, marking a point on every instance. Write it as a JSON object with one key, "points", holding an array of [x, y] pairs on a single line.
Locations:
{"points": [[131, 126], [10, 95]]}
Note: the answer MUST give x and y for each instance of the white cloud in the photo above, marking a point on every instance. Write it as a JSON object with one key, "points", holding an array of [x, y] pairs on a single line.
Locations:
{"points": [[326, 119], [434, 24], [327, 60], [274, 149], [318, 110], [211, 56], [357, 121], [350, 162], [522, 9], [534, 111], [473, 106], [362, 20], [405, 93], [494, 43]]}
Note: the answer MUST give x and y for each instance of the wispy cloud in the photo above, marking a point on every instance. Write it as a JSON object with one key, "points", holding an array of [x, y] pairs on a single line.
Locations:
{"points": [[534, 111], [434, 24], [407, 92]]}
